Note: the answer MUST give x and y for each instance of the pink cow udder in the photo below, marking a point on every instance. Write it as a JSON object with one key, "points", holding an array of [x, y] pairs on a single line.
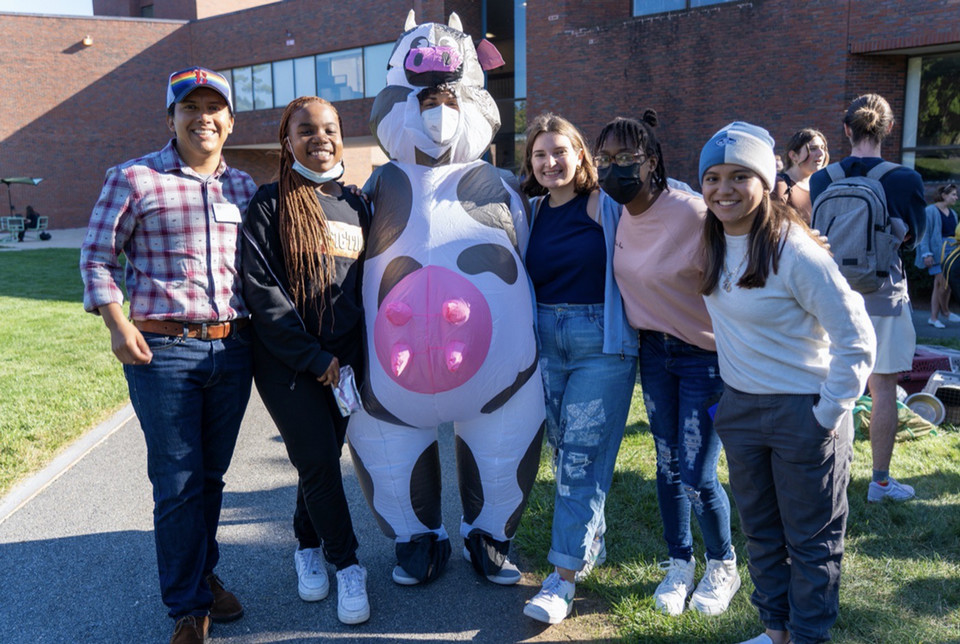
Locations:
{"points": [[432, 331]]}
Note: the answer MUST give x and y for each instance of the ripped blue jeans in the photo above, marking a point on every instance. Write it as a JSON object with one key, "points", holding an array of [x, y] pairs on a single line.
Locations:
{"points": [[588, 397], [680, 382]]}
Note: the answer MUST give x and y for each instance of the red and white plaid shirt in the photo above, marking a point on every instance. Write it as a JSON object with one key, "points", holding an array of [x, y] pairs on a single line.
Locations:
{"points": [[180, 234]]}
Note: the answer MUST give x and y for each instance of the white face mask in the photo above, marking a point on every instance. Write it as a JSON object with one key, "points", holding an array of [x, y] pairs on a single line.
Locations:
{"points": [[440, 123], [318, 177], [332, 174]]}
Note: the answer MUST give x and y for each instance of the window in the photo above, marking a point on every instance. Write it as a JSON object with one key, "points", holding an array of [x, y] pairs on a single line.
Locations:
{"points": [[262, 87], [243, 89], [375, 60], [284, 88], [931, 130], [304, 78], [340, 75], [647, 7], [335, 76], [146, 11]]}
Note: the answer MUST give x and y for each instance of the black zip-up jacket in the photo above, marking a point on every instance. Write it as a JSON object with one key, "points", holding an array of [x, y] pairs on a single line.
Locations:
{"points": [[295, 336]]}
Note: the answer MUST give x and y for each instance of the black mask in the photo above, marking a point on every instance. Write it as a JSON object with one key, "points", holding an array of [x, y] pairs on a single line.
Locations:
{"points": [[621, 183]]}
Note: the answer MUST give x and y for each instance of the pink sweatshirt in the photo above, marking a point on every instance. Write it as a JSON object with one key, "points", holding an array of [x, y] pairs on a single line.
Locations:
{"points": [[658, 263]]}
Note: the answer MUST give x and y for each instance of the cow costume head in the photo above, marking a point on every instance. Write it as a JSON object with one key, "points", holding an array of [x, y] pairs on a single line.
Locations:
{"points": [[428, 56]]}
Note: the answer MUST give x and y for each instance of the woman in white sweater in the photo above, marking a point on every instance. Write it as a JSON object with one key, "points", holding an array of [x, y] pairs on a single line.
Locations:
{"points": [[795, 348]]}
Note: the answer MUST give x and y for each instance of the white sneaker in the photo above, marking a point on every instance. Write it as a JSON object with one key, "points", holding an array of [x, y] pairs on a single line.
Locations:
{"points": [[893, 490], [720, 583], [554, 601], [352, 604], [508, 575], [936, 324], [953, 317], [402, 577], [762, 638], [595, 557], [671, 595], [312, 582]]}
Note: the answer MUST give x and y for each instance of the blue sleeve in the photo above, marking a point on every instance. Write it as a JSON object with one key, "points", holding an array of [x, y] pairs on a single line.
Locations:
{"points": [[818, 183], [905, 200]]}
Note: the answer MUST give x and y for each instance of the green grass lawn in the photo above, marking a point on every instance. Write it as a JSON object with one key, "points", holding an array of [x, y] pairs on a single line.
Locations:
{"points": [[57, 374], [901, 578], [901, 569]]}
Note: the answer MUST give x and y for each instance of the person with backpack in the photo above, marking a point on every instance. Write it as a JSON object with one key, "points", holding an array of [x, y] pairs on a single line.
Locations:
{"points": [[900, 204], [795, 348]]}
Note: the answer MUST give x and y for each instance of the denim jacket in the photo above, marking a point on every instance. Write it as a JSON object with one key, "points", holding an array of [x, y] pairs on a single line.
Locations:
{"points": [[619, 338]]}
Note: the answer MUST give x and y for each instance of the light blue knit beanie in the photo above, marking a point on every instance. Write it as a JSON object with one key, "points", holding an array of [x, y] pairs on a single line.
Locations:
{"points": [[743, 144]]}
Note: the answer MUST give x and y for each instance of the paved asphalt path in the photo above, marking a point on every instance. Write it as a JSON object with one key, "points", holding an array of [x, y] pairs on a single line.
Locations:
{"points": [[77, 561]]}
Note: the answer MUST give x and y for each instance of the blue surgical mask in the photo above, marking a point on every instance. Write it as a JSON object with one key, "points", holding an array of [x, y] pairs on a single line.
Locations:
{"points": [[332, 174]]}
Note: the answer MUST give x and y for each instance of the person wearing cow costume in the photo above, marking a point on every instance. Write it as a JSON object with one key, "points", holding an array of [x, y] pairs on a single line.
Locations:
{"points": [[449, 315]]}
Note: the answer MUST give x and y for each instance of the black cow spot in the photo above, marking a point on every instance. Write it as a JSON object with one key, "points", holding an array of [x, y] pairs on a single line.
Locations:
{"points": [[486, 200], [422, 158], [366, 484], [425, 487], [374, 407], [471, 489], [526, 475], [392, 198], [396, 270], [383, 103], [501, 398], [492, 258]]}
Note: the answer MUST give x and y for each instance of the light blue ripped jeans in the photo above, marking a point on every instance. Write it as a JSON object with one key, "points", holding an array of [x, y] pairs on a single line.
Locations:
{"points": [[588, 397], [680, 382]]}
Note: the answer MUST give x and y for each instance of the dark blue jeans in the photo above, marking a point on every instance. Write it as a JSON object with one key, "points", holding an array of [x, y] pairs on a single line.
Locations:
{"points": [[680, 382], [190, 400]]}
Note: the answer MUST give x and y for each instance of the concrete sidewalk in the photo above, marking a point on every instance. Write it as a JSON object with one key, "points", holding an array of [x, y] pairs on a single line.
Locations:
{"points": [[77, 561], [59, 238]]}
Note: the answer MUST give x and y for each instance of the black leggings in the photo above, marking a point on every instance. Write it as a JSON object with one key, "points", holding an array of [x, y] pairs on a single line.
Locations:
{"points": [[313, 431]]}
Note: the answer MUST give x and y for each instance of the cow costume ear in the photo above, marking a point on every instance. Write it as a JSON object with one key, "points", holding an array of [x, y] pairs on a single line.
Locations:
{"points": [[454, 21], [411, 21]]}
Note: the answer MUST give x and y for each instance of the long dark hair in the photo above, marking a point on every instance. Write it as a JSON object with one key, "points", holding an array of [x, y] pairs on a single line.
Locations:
{"points": [[304, 230], [767, 236], [799, 141], [641, 135]]}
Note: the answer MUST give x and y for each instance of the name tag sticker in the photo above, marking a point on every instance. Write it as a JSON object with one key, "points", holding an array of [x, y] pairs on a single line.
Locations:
{"points": [[226, 213]]}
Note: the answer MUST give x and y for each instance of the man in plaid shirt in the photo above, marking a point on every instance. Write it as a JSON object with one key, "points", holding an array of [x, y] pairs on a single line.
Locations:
{"points": [[176, 215]]}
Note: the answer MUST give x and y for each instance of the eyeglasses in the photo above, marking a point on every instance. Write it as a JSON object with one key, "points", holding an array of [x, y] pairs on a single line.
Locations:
{"points": [[622, 159]]}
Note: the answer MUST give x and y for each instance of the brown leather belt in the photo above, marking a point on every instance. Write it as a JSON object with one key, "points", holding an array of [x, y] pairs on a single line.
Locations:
{"points": [[203, 330]]}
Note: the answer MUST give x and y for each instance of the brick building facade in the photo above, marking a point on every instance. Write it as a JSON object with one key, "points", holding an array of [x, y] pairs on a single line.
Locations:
{"points": [[68, 111]]}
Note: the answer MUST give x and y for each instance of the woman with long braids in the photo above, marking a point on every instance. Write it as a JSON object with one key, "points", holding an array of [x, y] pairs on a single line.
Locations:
{"points": [[302, 242], [658, 264]]}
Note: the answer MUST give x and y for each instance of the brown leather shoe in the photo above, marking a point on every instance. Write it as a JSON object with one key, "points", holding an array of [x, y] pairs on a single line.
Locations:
{"points": [[226, 607], [191, 630]]}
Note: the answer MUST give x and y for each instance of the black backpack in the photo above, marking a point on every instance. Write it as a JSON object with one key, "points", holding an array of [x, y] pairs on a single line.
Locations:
{"points": [[852, 214]]}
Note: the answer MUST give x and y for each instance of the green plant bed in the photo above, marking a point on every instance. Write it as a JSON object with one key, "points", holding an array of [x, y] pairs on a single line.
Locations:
{"points": [[900, 569], [58, 375]]}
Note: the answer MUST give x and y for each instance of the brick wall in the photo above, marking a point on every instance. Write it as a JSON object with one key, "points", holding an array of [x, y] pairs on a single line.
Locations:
{"points": [[68, 112], [777, 63]]}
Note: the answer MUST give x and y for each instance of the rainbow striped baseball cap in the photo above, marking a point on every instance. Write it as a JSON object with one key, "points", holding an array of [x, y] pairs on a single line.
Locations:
{"points": [[185, 81]]}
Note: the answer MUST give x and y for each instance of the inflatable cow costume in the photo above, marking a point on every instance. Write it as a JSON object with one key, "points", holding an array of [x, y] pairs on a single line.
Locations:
{"points": [[449, 317]]}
